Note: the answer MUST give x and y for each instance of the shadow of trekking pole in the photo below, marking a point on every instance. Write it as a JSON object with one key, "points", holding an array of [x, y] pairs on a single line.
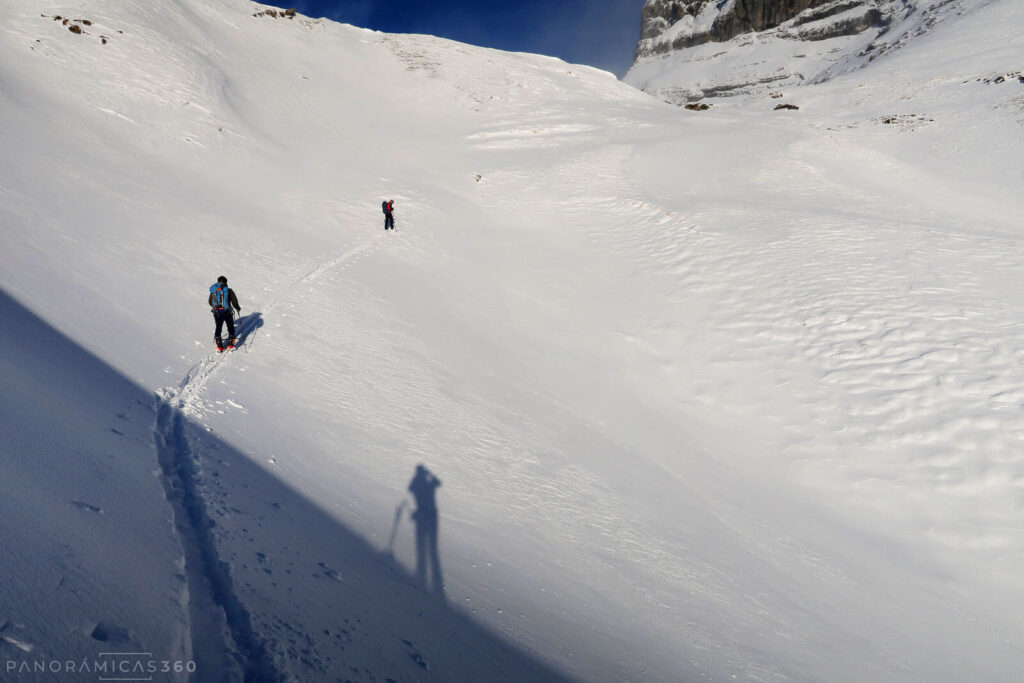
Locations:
{"points": [[390, 552]]}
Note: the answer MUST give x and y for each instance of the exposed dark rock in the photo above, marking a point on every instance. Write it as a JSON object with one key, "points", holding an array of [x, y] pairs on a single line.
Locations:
{"points": [[786, 106], [1003, 78], [826, 12], [905, 121], [745, 16], [284, 13], [697, 106], [847, 27]]}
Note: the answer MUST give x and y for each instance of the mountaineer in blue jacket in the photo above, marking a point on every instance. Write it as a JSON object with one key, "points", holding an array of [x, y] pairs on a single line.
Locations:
{"points": [[222, 300]]}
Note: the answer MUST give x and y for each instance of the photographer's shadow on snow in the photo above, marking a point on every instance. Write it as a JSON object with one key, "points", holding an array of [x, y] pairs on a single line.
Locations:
{"points": [[272, 566], [424, 487]]}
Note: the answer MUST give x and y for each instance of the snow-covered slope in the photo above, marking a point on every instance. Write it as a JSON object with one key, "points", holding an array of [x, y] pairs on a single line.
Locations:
{"points": [[723, 394]]}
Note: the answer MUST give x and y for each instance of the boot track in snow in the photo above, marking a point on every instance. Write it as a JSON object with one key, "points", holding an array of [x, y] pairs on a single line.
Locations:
{"points": [[224, 645]]}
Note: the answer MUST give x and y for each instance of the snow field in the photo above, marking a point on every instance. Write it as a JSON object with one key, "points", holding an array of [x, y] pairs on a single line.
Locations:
{"points": [[711, 395]]}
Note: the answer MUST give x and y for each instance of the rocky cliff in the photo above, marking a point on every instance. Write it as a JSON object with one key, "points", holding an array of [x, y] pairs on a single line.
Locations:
{"points": [[696, 49], [710, 21]]}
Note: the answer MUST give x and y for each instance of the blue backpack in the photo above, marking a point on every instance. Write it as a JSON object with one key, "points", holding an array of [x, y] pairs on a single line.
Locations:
{"points": [[221, 300]]}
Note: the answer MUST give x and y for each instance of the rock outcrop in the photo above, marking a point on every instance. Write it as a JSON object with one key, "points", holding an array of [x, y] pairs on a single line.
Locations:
{"points": [[695, 49], [710, 21]]}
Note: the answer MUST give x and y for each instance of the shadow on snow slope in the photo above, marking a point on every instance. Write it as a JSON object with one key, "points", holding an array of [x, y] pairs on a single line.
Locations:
{"points": [[277, 588], [89, 559]]}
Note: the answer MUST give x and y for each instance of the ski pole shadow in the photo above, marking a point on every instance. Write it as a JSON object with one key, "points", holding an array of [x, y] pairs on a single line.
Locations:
{"points": [[424, 487], [389, 553], [247, 325]]}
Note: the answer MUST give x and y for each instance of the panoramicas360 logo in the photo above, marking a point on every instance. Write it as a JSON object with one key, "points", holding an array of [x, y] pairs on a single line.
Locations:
{"points": [[106, 666]]}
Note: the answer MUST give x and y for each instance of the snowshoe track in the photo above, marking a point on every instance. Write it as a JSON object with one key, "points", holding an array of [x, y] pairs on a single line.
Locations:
{"points": [[187, 393], [223, 641]]}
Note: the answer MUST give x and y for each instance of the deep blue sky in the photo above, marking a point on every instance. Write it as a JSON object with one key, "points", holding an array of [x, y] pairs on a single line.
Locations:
{"points": [[601, 33]]}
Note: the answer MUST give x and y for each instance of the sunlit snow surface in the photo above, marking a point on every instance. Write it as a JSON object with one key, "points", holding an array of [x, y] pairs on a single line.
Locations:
{"points": [[710, 394]]}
